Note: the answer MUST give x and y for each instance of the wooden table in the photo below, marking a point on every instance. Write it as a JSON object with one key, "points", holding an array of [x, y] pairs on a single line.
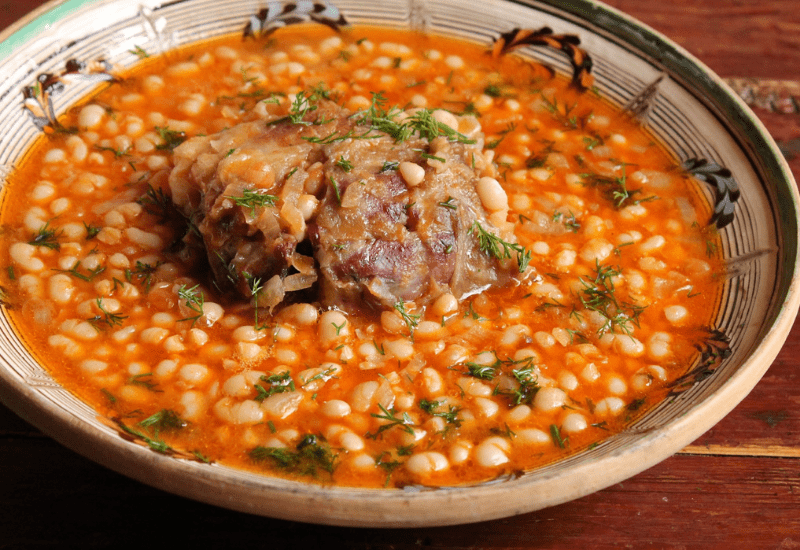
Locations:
{"points": [[738, 486]]}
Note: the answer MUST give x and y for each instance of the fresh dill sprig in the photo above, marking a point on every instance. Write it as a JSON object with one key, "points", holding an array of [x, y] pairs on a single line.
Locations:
{"points": [[278, 383], [106, 317], [144, 380], [253, 199], [404, 422], [142, 273], [194, 300], [411, 320], [615, 189], [91, 231], [169, 138], [75, 272], [599, 295], [434, 408], [165, 419], [344, 164], [312, 454], [499, 249], [46, 237]]}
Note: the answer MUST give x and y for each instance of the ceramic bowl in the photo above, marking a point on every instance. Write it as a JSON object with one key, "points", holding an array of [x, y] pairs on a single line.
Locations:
{"points": [[710, 131]]}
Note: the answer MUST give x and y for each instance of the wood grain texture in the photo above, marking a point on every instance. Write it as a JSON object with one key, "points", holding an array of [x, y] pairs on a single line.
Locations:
{"points": [[742, 38], [734, 501], [736, 487]]}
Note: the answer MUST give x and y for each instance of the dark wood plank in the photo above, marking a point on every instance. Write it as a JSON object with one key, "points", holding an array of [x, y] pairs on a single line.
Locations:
{"points": [[767, 421], [743, 38], [668, 506]]}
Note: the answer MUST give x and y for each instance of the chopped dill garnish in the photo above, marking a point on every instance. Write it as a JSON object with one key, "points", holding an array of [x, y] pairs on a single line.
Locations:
{"points": [[170, 138], [481, 371], [404, 422], [563, 115], [434, 408], [599, 295], [492, 90], [381, 119], [106, 317], [301, 106], [139, 52], [569, 221], [615, 189], [388, 465], [449, 203], [164, 419], [499, 249], [502, 135], [75, 272], [91, 231], [344, 164], [336, 191], [312, 454], [142, 273], [194, 300], [324, 375], [108, 395], [278, 383], [411, 320], [253, 199], [46, 237], [117, 152], [555, 434], [144, 381], [432, 157], [158, 198]]}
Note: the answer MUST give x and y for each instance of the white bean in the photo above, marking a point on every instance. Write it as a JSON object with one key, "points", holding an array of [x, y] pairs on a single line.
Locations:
{"points": [[609, 405], [617, 385], [492, 452], [427, 462], [193, 373], [460, 452], [333, 325], [590, 372], [548, 399], [166, 368], [193, 404], [93, 366], [675, 314], [24, 255], [487, 407], [533, 436], [282, 405], [628, 345], [412, 173], [144, 239], [573, 423], [153, 335], [399, 349], [492, 195], [61, 288], [361, 398], [335, 408], [432, 380], [247, 333], [568, 381], [91, 116]]}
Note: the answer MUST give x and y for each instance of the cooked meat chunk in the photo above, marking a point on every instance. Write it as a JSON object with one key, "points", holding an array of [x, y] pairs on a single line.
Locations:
{"points": [[377, 207]]}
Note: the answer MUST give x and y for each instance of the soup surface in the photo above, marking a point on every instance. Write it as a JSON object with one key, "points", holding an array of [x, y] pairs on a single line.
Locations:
{"points": [[371, 258]]}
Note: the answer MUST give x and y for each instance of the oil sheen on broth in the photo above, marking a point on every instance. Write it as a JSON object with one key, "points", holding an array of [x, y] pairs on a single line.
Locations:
{"points": [[532, 271]]}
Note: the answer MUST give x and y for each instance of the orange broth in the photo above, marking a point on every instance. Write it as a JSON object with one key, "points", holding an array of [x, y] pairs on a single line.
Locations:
{"points": [[506, 381]]}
